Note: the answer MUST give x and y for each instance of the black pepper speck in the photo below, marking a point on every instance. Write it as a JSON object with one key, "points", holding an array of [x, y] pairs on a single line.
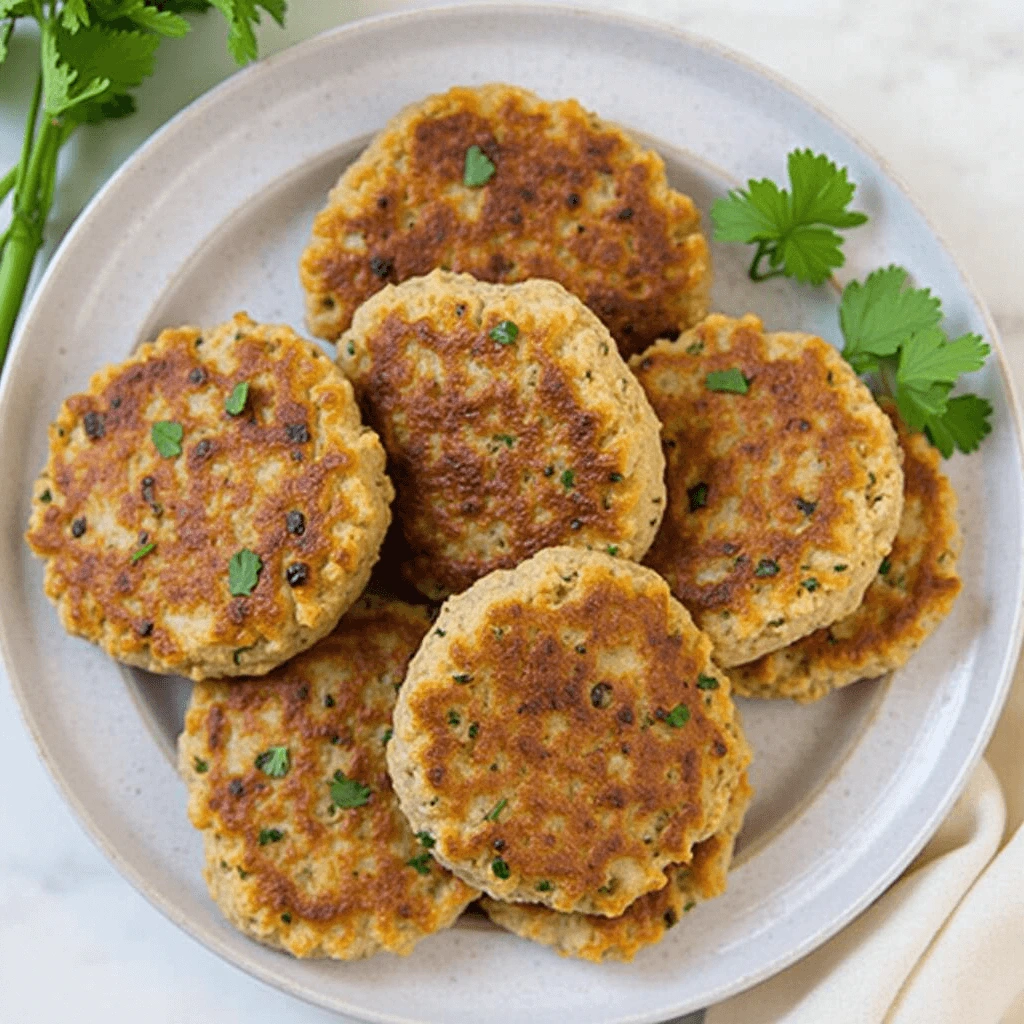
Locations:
{"points": [[94, 424], [297, 433], [295, 522], [197, 376], [297, 573], [78, 527], [380, 266]]}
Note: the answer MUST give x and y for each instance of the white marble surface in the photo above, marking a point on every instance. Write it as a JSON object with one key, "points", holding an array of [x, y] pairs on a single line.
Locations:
{"points": [[937, 86]]}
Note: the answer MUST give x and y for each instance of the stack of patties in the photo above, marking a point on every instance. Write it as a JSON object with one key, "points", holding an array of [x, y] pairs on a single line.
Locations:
{"points": [[569, 747], [812, 544]]}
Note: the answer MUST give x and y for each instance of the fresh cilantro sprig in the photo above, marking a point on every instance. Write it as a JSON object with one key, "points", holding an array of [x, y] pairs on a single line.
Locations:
{"points": [[794, 229], [92, 54], [893, 333]]}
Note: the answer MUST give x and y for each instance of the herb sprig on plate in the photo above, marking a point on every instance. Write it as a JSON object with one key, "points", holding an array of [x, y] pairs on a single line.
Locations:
{"points": [[92, 54], [892, 332]]}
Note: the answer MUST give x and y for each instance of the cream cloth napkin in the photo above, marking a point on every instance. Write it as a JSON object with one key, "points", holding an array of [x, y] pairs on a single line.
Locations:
{"points": [[946, 942]]}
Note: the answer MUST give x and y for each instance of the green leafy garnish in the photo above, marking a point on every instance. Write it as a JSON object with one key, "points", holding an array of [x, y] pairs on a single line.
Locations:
{"points": [[500, 868], [706, 682], [504, 333], [544, 886], [462, 677], [492, 814], [200, 766], [678, 716], [143, 551], [698, 496], [478, 169], [235, 402], [270, 835], [568, 479], [732, 380], [883, 569], [243, 572], [426, 839], [347, 793], [274, 762], [767, 567], [506, 439], [167, 435], [613, 549], [91, 56], [810, 584], [794, 229], [388, 733], [893, 332], [420, 863]]}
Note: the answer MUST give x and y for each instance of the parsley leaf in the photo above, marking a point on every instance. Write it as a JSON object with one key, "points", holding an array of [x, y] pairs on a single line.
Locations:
{"points": [[794, 230], [492, 814], [732, 380], [878, 315], [504, 333], [143, 551], [893, 332], [241, 16], [478, 169], [244, 572], [678, 716], [270, 835], [420, 863], [167, 435], [234, 404], [347, 793], [274, 762]]}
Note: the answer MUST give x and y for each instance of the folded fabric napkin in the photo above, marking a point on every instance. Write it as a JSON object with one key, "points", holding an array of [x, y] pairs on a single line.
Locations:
{"points": [[946, 942]]}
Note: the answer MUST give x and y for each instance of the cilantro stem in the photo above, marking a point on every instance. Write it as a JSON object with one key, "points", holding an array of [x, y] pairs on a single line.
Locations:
{"points": [[7, 182], [763, 249]]}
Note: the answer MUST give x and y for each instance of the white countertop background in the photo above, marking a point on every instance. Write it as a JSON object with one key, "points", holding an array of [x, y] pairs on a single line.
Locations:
{"points": [[936, 86]]}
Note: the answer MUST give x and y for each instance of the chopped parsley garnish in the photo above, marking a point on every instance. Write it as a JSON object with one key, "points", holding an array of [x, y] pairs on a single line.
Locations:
{"points": [[274, 762], [454, 719], [544, 886], [807, 507], [492, 814], [46, 497], [883, 569], [793, 229], [839, 568], [270, 835], [143, 551], [695, 348], [732, 380], [167, 437], [243, 572], [478, 169], [615, 478], [506, 439], [474, 730], [500, 868], [286, 917], [504, 333], [767, 567], [678, 716], [346, 792], [329, 701], [810, 584], [420, 863], [698, 495], [200, 766], [426, 840], [234, 404], [387, 734], [568, 479], [613, 549], [689, 906], [706, 682], [462, 677], [439, 632]]}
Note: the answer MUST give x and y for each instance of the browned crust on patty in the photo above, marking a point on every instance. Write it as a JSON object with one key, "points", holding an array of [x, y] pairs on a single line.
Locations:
{"points": [[552, 687], [645, 921], [106, 492], [781, 501], [336, 882], [573, 199], [901, 607], [499, 450]]}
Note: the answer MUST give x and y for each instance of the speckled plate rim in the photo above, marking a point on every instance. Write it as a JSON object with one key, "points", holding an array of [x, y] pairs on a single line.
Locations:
{"points": [[250, 80]]}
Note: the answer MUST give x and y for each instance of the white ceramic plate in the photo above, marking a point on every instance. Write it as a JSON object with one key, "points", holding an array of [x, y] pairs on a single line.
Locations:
{"points": [[210, 217]]}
